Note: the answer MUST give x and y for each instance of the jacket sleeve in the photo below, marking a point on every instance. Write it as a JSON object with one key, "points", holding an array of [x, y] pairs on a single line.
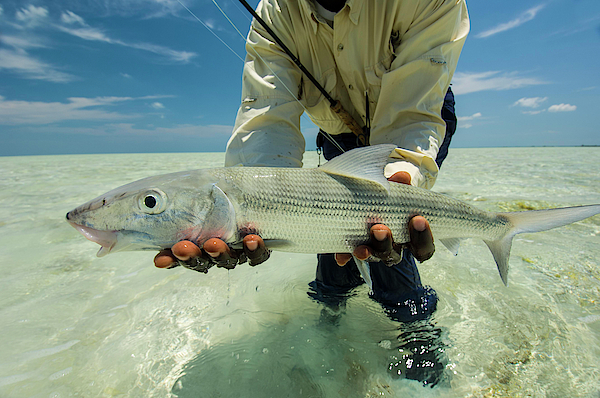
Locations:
{"points": [[413, 90], [267, 127]]}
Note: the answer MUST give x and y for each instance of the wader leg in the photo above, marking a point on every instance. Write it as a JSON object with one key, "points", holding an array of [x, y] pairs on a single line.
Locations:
{"points": [[449, 116]]}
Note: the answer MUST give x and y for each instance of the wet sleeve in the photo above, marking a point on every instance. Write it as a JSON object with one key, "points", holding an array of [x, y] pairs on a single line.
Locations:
{"points": [[267, 127], [409, 108]]}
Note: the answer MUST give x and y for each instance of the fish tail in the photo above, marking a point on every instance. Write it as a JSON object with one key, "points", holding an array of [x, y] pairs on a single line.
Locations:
{"points": [[534, 221]]}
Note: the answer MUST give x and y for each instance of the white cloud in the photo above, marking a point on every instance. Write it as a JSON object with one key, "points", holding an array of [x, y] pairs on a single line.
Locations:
{"points": [[20, 62], [1, 10], [562, 108], [534, 102], [17, 56], [71, 18], [473, 116], [87, 33], [587, 88], [157, 105], [463, 120], [181, 130], [576, 27], [533, 112], [177, 56], [464, 83], [121, 129], [31, 15], [126, 75], [21, 42], [518, 21], [93, 34], [77, 108]]}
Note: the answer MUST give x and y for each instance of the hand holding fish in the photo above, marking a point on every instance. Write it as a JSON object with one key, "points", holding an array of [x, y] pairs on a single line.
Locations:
{"points": [[216, 252], [382, 245]]}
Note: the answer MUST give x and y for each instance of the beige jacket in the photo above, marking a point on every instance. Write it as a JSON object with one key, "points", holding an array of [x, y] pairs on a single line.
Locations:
{"points": [[403, 53]]}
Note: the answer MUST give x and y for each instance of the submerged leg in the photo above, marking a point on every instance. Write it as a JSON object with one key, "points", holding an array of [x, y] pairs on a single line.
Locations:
{"points": [[420, 353], [332, 286]]}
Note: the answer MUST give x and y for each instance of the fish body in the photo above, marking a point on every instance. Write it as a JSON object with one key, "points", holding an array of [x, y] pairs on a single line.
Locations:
{"points": [[329, 209]]}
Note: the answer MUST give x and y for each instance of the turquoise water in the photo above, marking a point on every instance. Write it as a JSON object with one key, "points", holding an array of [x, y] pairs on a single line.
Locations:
{"points": [[77, 325]]}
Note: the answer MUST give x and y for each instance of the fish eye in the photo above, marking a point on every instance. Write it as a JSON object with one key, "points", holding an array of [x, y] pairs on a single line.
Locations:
{"points": [[153, 201]]}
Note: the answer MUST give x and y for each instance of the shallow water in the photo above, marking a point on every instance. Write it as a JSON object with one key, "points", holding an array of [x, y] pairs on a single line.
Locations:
{"points": [[77, 325]]}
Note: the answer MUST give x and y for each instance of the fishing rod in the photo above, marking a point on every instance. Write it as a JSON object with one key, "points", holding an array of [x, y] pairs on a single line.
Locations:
{"points": [[326, 134], [336, 106]]}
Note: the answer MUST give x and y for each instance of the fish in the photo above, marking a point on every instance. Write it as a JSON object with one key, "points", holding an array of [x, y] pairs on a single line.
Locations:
{"points": [[328, 209]]}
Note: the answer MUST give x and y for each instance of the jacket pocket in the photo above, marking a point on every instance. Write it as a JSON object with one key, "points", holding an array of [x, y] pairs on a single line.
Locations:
{"points": [[374, 75], [311, 96]]}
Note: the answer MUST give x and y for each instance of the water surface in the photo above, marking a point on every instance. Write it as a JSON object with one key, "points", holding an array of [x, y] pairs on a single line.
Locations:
{"points": [[77, 325]]}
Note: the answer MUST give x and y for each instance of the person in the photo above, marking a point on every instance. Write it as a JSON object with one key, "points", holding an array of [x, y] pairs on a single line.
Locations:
{"points": [[389, 63]]}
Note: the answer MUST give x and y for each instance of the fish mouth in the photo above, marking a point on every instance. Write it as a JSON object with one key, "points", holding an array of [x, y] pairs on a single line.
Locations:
{"points": [[106, 239]]}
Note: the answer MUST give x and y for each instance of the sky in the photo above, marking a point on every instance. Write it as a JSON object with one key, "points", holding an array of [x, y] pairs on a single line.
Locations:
{"points": [[121, 76]]}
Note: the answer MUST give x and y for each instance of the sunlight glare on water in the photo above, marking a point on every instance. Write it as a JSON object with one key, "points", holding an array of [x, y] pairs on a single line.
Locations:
{"points": [[77, 325]]}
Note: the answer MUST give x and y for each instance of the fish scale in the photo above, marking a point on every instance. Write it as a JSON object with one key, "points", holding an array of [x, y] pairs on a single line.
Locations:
{"points": [[324, 210], [317, 212]]}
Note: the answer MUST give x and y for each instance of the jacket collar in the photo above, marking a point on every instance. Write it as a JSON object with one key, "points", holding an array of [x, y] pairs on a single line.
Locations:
{"points": [[310, 11]]}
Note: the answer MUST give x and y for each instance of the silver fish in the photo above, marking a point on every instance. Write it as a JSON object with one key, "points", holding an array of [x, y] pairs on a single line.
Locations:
{"points": [[329, 209]]}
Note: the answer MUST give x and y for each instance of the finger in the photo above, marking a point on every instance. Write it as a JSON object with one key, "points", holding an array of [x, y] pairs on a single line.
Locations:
{"points": [[253, 242], [362, 252], [421, 239], [403, 177], [220, 253], [342, 258], [382, 245], [165, 259], [185, 250], [381, 238], [215, 247], [255, 250]]}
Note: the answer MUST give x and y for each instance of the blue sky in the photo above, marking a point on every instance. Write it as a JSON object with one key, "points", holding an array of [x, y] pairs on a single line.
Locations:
{"points": [[81, 76]]}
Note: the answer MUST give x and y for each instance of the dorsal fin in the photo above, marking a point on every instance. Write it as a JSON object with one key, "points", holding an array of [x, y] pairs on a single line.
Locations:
{"points": [[364, 163]]}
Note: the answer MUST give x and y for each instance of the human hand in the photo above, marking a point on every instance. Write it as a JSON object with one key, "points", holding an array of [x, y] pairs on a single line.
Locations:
{"points": [[213, 252], [382, 246]]}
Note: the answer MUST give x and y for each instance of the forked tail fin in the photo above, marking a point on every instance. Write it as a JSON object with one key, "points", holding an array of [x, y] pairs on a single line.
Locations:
{"points": [[534, 221]]}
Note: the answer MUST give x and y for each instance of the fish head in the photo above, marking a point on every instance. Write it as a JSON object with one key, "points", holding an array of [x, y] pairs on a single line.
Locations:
{"points": [[151, 214]]}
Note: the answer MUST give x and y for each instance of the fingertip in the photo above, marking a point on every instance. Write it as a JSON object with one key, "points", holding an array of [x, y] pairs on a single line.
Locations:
{"points": [[185, 250], [252, 242], [402, 177], [342, 258], [362, 252], [164, 259], [419, 223], [215, 247], [380, 232]]}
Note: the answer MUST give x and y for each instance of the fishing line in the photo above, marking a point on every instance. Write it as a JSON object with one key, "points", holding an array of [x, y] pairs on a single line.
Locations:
{"points": [[210, 30], [327, 135]]}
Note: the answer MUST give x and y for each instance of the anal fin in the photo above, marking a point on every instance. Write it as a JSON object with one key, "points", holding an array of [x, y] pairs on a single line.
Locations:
{"points": [[451, 244], [365, 271]]}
